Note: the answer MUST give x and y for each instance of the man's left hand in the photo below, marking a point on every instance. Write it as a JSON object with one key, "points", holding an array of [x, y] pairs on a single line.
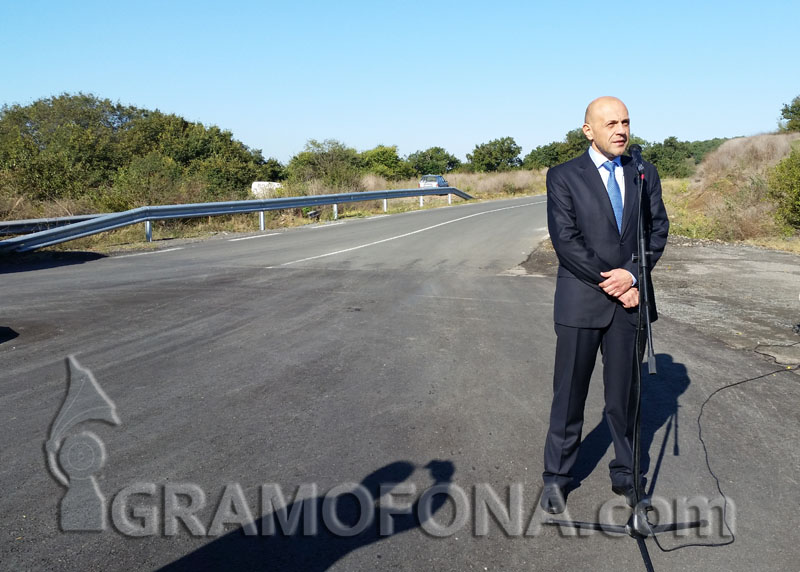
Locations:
{"points": [[617, 282], [630, 299]]}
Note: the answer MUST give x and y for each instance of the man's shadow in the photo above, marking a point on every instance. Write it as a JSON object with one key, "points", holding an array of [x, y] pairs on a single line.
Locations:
{"points": [[42, 260], [660, 395], [319, 551], [7, 334]]}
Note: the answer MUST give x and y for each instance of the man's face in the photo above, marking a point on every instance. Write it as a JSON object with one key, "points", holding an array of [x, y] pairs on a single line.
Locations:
{"points": [[608, 127]]}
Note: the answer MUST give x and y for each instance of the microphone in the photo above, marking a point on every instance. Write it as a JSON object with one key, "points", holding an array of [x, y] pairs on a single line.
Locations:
{"points": [[636, 155]]}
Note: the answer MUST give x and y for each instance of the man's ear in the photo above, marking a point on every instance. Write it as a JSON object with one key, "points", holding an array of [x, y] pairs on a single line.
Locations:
{"points": [[587, 131]]}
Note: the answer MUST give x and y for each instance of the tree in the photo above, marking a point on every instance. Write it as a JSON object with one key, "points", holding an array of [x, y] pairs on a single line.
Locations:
{"points": [[672, 157], [790, 114], [433, 161], [552, 154], [61, 146], [385, 161], [543, 156], [575, 144], [496, 155], [699, 149], [272, 170], [83, 147]]}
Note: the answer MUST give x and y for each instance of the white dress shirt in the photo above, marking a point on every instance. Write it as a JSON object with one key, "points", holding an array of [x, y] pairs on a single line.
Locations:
{"points": [[598, 160]]}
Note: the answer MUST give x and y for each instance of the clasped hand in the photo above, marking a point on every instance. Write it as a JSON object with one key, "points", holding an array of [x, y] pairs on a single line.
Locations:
{"points": [[619, 284]]}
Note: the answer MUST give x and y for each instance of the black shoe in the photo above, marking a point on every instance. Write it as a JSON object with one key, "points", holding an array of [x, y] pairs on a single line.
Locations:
{"points": [[553, 499], [630, 494]]}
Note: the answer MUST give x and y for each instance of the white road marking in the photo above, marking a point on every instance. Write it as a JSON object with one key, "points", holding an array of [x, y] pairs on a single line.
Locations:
{"points": [[255, 236], [405, 234], [151, 252]]}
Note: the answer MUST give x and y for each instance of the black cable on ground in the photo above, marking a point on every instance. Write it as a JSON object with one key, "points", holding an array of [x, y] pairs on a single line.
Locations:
{"points": [[711, 471]]}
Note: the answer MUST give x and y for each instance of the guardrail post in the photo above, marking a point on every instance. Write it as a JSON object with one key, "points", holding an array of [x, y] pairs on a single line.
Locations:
{"points": [[335, 211], [148, 230], [385, 204], [261, 222]]}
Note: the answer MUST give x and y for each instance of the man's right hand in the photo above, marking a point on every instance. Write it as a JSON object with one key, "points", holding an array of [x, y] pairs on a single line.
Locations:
{"points": [[617, 282]]}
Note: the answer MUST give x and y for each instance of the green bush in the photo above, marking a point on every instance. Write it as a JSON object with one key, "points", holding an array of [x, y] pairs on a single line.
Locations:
{"points": [[329, 162], [84, 149], [384, 161], [784, 182], [149, 180]]}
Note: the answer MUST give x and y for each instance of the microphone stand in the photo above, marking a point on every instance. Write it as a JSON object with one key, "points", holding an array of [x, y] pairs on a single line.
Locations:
{"points": [[638, 526]]}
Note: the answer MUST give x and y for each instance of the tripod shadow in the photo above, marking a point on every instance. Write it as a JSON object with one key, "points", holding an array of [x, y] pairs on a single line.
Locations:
{"points": [[317, 552], [659, 407]]}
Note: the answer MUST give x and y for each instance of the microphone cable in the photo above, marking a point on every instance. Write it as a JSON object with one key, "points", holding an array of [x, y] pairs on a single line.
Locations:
{"points": [[708, 462]]}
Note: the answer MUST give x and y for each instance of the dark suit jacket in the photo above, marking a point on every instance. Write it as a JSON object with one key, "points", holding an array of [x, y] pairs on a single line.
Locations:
{"points": [[585, 237]]}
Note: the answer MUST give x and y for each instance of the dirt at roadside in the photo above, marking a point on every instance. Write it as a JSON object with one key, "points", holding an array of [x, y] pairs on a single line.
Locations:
{"points": [[746, 296]]}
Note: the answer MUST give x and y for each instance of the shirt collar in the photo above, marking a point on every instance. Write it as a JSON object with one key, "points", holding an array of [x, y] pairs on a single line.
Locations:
{"points": [[598, 158]]}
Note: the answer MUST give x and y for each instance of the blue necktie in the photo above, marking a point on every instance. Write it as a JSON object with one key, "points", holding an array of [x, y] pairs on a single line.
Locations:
{"points": [[614, 193]]}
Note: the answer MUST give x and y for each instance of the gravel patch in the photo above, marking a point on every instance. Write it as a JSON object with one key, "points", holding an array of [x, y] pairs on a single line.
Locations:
{"points": [[746, 296]]}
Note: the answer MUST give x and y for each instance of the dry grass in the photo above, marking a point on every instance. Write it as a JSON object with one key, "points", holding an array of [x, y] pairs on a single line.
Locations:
{"points": [[727, 198], [373, 182], [493, 185], [479, 185], [745, 155], [787, 243], [20, 208]]}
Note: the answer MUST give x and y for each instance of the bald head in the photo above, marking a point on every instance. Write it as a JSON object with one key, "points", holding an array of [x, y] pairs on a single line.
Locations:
{"points": [[599, 105], [607, 126]]}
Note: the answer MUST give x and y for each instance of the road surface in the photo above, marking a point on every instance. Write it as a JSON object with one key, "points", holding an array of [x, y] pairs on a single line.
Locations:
{"points": [[410, 349]]}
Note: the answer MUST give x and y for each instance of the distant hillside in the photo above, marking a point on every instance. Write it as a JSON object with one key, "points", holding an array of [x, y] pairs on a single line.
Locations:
{"points": [[729, 197]]}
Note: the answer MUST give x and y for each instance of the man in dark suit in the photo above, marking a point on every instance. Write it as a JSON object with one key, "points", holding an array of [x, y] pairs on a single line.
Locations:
{"points": [[592, 208]]}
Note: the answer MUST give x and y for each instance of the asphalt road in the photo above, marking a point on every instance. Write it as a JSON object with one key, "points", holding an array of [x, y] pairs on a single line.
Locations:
{"points": [[408, 349]]}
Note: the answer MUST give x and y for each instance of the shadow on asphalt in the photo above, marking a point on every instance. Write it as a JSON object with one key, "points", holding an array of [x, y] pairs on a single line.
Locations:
{"points": [[317, 552], [10, 263], [7, 334], [660, 395]]}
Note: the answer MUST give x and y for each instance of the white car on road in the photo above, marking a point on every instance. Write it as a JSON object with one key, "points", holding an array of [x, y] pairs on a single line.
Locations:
{"points": [[432, 181]]}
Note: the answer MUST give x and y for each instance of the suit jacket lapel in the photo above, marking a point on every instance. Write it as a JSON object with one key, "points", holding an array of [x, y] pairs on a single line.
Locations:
{"points": [[594, 182], [631, 208]]}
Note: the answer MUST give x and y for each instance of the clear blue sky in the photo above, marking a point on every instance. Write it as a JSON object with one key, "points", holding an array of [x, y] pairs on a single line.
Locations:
{"points": [[412, 74]]}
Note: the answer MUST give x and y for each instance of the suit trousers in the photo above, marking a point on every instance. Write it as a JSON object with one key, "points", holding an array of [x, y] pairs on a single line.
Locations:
{"points": [[576, 353]]}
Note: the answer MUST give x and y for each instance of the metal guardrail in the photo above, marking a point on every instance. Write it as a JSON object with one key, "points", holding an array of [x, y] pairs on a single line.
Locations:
{"points": [[112, 221], [36, 224]]}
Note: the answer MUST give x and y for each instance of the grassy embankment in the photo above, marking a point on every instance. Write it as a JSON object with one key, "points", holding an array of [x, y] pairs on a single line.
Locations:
{"points": [[727, 199]]}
